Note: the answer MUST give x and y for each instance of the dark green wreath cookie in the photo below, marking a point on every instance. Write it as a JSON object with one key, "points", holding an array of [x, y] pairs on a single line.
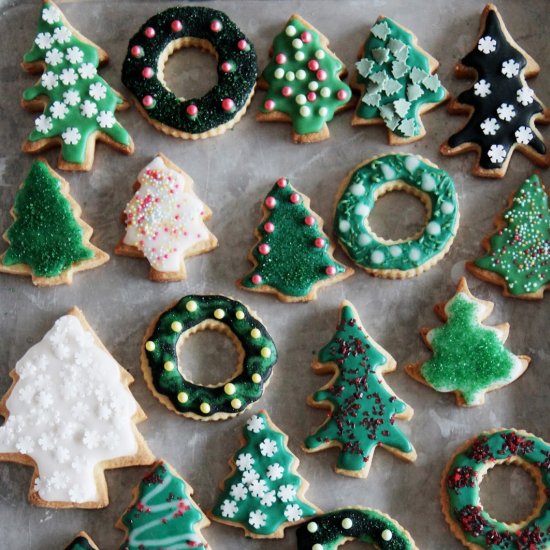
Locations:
{"points": [[191, 26]]}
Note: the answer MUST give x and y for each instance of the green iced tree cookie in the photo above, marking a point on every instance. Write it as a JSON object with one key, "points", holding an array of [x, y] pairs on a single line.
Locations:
{"points": [[82, 541]]}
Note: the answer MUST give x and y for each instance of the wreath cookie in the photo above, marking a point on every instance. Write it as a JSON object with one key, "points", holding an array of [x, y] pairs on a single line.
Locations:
{"points": [[333, 529], [396, 259], [460, 491], [518, 253], [256, 349], [191, 26]]}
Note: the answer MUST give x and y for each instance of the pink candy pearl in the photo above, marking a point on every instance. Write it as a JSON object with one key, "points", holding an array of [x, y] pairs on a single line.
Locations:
{"points": [[280, 58], [321, 75], [286, 91], [269, 227], [281, 182], [306, 37], [228, 104], [226, 67], [330, 270], [176, 25], [309, 220], [341, 95], [147, 72], [319, 243], [149, 32], [242, 44], [256, 279], [311, 96], [294, 198], [264, 249], [270, 202], [147, 101], [269, 105], [136, 51], [215, 26], [192, 110], [313, 64]]}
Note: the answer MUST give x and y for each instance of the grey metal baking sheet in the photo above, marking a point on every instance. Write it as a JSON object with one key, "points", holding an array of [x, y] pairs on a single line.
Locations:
{"points": [[232, 174]]}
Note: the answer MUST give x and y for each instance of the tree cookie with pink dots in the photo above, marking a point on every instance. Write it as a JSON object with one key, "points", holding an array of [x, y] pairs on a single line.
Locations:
{"points": [[165, 221], [293, 256], [197, 27]]}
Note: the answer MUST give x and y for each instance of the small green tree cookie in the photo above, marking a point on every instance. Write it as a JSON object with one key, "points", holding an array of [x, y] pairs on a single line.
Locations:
{"points": [[469, 358], [363, 408], [264, 493], [518, 252], [82, 541], [48, 241], [78, 105]]}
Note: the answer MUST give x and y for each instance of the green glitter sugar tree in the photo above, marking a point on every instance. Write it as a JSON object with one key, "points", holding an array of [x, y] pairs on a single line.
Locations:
{"points": [[468, 358], [363, 408], [518, 253], [78, 105]]}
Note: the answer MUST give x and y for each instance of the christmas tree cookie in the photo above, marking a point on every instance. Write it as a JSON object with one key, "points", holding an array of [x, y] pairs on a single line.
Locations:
{"points": [[397, 82], [77, 105], [362, 406], [70, 415], [82, 541], [264, 493], [502, 108], [468, 358], [165, 221], [48, 240], [518, 252], [303, 82], [293, 256], [163, 516]]}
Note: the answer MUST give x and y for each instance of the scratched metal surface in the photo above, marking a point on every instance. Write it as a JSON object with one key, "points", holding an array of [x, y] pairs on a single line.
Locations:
{"points": [[232, 174]]}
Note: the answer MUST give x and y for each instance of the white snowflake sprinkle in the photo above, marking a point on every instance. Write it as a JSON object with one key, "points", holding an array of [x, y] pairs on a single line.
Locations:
{"points": [[268, 447], [268, 499], [62, 454], [524, 135], [71, 97], [250, 476], [487, 44], [228, 508], [244, 462], [482, 88], [293, 512], [258, 487], [54, 57], [44, 40], [275, 471], [286, 492], [26, 394], [45, 399], [490, 126], [497, 154], [59, 110], [25, 445], [57, 480], [46, 442], [91, 439], [238, 491], [97, 91], [106, 119], [87, 70], [80, 410], [74, 55], [255, 424], [50, 15], [71, 136], [68, 77], [525, 96], [88, 108], [510, 68], [62, 35], [506, 112], [257, 519], [49, 80]]}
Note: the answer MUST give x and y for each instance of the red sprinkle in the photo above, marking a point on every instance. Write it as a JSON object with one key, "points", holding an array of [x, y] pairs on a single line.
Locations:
{"points": [[176, 25], [149, 32]]}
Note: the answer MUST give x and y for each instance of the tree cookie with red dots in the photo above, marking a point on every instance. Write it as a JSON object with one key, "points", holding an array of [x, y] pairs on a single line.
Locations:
{"points": [[303, 82], [518, 253], [293, 256], [198, 27], [362, 406], [165, 221]]}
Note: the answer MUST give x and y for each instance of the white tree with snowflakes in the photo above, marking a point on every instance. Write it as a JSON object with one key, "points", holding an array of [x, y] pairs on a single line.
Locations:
{"points": [[71, 415]]}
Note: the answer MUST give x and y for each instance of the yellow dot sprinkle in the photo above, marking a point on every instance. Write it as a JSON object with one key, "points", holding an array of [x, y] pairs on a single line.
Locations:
{"points": [[255, 333], [239, 315], [150, 345], [191, 306], [168, 366], [256, 378], [205, 408], [229, 389], [176, 326], [265, 352], [236, 403], [182, 397], [219, 313]]}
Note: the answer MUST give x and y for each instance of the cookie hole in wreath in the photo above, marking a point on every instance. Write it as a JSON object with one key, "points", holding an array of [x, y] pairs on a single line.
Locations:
{"points": [[189, 68], [208, 357], [398, 215], [509, 494]]}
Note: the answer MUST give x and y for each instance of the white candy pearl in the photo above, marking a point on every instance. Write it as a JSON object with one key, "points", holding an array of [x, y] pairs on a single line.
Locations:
{"points": [[313, 86], [299, 56], [297, 43], [364, 239], [301, 99], [386, 535], [362, 209], [347, 523], [317, 547], [279, 73], [377, 257], [290, 30], [305, 110], [301, 74], [433, 228], [395, 251], [312, 527], [414, 254], [290, 76], [325, 91], [344, 226], [323, 111], [447, 207], [428, 183], [319, 54]]}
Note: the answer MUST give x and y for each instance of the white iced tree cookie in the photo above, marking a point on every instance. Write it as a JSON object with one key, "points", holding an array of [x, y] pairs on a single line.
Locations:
{"points": [[70, 414]]}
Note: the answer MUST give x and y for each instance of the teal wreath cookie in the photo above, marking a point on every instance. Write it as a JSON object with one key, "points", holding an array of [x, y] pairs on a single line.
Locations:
{"points": [[256, 357], [191, 26], [396, 259], [460, 497]]}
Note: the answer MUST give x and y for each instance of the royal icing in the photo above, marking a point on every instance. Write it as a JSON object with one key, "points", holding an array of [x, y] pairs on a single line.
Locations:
{"points": [[47, 234], [293, 255], [163, 514], [363, 408], [461, 483], [503, 107], [80, 104], [372, 179], [519, 251], [237, 69], [234, 395], [165, 219], [81, 542], [304, 78], [395, 79], [264, 493], [453, 367], [69, 411], [330, 531]]}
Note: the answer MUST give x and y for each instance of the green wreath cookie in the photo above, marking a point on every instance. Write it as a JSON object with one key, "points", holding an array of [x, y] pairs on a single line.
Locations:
{"points": [[205, 28], [257, 356], [375, 177], [460, 491], [329, 531]]}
